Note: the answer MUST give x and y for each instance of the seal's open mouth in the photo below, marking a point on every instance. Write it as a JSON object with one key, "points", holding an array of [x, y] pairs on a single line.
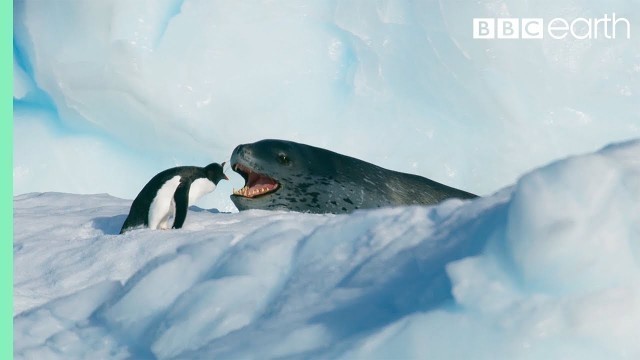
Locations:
{"points": [[255, 184]]}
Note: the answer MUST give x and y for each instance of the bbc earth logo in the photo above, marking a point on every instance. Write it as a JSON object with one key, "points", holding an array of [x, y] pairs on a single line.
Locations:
{"points": [[607, 27]]}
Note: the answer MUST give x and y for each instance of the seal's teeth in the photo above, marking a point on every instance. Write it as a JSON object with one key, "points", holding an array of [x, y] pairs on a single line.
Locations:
{"points": [[247, 191]]}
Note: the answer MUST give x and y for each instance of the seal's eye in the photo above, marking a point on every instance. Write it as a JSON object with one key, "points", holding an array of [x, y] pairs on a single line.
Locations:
{"points": [[283, 159]]}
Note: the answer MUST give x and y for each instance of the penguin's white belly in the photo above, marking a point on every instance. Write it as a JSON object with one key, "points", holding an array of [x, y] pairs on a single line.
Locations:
{"points": [[163, 205], [199, 188]]}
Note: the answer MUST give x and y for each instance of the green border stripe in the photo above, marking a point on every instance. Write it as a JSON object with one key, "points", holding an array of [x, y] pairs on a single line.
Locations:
{"points": [[6, 180]]}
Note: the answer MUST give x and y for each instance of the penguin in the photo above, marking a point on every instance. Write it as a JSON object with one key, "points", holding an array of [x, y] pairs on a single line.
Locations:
{"points": [[170, 193]]}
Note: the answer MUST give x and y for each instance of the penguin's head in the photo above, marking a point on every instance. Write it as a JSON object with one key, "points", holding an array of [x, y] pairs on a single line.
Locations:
{"points": [[215, 172]]}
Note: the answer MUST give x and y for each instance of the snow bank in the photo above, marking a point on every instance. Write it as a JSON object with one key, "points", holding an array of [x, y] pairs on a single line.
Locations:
{"points": [[549, 268], [398, 83]]}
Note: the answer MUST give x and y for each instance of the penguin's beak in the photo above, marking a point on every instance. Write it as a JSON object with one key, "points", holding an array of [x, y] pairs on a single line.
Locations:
{"points": [[225, 177]]}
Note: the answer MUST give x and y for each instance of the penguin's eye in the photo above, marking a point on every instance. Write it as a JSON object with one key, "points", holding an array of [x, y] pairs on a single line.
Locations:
{"points": [[283, 159]]}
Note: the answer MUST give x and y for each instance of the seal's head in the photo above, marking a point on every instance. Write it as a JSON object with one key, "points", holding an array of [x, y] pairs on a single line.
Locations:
{"points": [[274, 171]]}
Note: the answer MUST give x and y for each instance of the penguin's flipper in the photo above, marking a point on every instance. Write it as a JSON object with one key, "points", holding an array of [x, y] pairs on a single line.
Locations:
{"points": [[181, 197]]}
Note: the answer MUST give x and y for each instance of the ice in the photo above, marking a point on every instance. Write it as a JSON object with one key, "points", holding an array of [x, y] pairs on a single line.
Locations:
{"points": [[55, 323], [109, 93], [22, 84], [397, 83], [548, 268], [557, 223]]}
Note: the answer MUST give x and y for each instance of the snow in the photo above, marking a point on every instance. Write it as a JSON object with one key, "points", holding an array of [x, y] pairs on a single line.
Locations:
{"points": [[547, 268], [402, 84]]}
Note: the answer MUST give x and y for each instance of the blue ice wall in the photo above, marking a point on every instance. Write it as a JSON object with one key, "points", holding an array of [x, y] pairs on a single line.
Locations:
{"points": [[112, 92]]}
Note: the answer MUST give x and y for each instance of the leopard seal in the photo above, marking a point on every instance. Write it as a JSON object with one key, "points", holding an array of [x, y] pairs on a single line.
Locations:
{"points": [[285, 175]]}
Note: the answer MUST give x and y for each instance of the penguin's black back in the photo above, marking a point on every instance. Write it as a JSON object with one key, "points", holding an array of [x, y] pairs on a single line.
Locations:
{"points": [[139, 213]]}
